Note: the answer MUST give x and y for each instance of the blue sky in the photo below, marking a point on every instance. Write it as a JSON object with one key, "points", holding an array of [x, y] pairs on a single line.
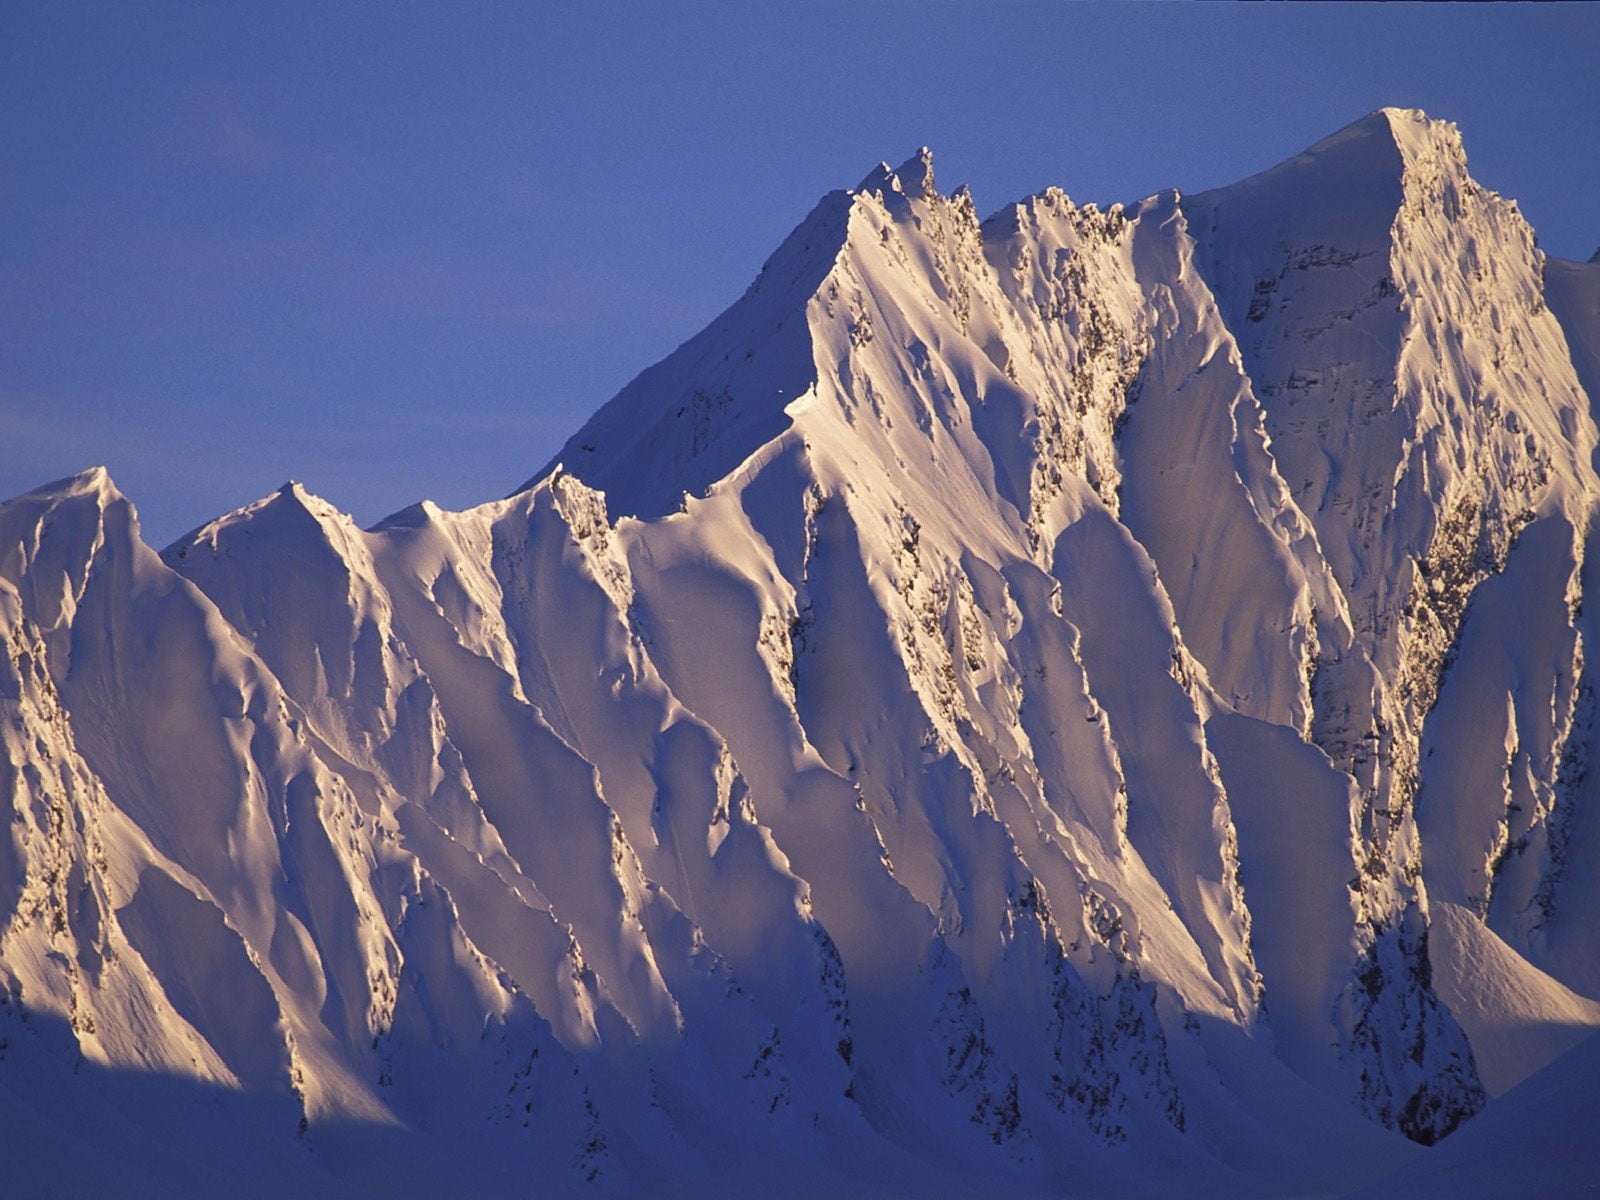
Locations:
{"points": [[398, 251]]}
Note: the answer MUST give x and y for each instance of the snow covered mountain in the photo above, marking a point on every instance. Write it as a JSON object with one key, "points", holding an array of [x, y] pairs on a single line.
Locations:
{"points": [[1087, 702]]}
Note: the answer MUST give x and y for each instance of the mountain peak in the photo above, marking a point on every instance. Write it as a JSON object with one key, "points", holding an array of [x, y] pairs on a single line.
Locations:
{"points": [[916, 174], [94, 481], [1410, 131], [290, 507], [886, 788], [1349, 186], [425, 512], [914, 177], [296, 495], [1399, 117], [1418, 134]]}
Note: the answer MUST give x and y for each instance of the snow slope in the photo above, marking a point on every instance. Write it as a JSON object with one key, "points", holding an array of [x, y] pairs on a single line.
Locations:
{"points": [[1536, 1143], [1088, 702]]}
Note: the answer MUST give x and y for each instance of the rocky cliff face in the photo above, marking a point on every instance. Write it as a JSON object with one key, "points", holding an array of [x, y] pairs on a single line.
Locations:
{"points": [[1006, 693]]}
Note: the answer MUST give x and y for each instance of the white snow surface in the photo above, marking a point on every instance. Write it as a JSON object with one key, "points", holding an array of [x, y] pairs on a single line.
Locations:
{"points": [[1091, 702]]}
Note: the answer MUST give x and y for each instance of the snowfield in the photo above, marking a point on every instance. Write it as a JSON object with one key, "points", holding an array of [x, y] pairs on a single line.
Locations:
{"points": [[1088, 702]]}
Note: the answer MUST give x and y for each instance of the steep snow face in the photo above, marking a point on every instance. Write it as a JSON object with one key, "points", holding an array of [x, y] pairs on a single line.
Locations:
{"points": [[1376, 252], [1424, 412], [1006, 693], [1554, 931]]}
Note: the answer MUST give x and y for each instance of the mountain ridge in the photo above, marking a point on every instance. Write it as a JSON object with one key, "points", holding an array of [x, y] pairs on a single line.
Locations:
{"points": [[860, 737]]}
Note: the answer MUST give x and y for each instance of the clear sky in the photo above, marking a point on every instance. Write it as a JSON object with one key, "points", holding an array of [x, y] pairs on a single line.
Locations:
{"points": [[401, 250]]}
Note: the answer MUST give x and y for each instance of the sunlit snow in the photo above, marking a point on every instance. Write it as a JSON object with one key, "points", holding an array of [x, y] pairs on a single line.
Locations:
{"points": [[1086, 702]]}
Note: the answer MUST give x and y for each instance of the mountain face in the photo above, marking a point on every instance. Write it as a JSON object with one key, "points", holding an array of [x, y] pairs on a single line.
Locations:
{"points": [[1091, 701]]}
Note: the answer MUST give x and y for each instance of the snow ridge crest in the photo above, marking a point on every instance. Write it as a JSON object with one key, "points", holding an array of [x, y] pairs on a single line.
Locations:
{"points": [[998, 678]]}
